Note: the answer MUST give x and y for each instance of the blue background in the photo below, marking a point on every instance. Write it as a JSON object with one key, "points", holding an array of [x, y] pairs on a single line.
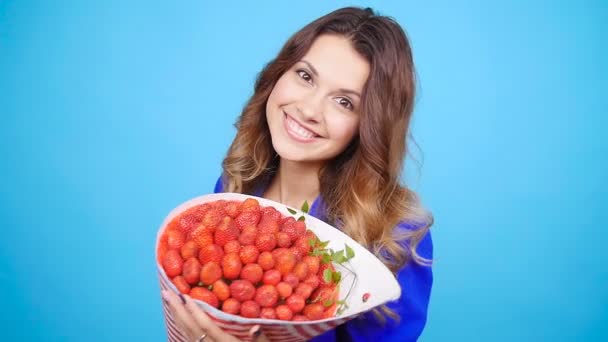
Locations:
{"points": [[114, 112]]}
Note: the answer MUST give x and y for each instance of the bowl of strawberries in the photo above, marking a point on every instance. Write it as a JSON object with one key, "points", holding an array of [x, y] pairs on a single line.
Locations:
{"points": [[248, 260]]}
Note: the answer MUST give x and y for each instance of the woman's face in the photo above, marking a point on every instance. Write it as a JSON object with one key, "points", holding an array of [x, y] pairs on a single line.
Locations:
{"points": [[313, 109]]}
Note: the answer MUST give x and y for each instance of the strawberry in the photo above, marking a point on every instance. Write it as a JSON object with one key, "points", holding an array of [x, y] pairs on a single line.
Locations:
{"points": [[242, 290], [248, 235], [295, 229], [301, 270], [314, 311], [322, 269], [219, 205], [278, 251], [210, 253], [212, 218], [210, 273], [249, 254], [283, 312], [324, 294], [272, 213], [291, 279], [265, 242], [312, 280], [252, 272], [271, 277], [247, 218], [268, 313], [285, 262], [226, 231], [295, 302], [205, 295], [232, 246], [303, 290], [231, 306], [268, 225], [175, 238], [192, 270], [173, 263], [303, 245], [189, 249], [298, 253], [221, 290], [231, 265], [285, 290], [266, 260], [250, 205], [283, 240], [232, 209], [187, 223], [267, 296], [201, 235], [162, 250], [313, 263], [181, 284], [250, 309], [300, 318]]}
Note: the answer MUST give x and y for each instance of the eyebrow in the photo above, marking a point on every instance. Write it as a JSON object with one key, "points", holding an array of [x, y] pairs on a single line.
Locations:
{"points": [[342, 90]]}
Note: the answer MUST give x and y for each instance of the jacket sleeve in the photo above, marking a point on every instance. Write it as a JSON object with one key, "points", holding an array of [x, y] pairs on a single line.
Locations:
{"points": [[416, 282], [219, 186]]}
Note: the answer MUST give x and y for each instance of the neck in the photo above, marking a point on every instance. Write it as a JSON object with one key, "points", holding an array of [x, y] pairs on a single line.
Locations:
{"points": [[294, 183]]}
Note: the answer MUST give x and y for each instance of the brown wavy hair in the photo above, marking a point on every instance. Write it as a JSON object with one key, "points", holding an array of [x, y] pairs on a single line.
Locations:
{"points": [[361, 187]]}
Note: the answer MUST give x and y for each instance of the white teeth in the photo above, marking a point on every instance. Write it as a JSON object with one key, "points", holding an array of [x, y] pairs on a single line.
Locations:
{"points": [[299, 130]]}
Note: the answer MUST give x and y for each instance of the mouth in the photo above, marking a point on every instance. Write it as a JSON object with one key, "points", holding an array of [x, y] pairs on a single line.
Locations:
{"points": [[297, 131]]}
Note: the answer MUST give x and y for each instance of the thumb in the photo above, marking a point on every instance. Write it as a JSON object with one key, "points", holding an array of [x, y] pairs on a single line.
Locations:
{"points": [[257, 334]]}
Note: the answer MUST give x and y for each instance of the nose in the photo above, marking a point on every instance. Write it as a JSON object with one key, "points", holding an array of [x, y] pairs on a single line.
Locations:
{"points": [[311, 107]]}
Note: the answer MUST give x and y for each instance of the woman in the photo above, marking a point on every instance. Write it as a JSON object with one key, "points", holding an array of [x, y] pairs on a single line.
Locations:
{"points": [[328, 123]]}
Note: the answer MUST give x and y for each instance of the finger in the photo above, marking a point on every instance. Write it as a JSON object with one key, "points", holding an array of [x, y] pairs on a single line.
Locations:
{"points": [[257, 334], [205, 322], [181, 315]]}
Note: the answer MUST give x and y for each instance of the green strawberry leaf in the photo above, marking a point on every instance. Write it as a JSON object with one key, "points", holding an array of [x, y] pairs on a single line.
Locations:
{"points": [[326, 259], [324, 244], [327, 275], [305, 207], [327, 303], [301, 218], [349, 252], [293, 212], [338, 257], [312, 242], [336, 277]]}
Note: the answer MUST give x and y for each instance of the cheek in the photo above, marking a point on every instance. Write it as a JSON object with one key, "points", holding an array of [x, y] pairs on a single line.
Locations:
{"points": [[344, 128]]}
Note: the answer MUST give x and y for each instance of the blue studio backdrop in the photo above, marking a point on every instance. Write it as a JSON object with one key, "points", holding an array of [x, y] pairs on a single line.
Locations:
{"points": [[114, 112]]}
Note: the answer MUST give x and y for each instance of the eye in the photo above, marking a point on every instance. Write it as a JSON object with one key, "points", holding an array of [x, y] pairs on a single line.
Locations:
{"points": [[345, 102], [304, 75]]}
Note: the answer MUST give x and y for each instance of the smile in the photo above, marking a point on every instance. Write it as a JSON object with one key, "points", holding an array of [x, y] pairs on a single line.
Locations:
{"points": [[296, 131]]}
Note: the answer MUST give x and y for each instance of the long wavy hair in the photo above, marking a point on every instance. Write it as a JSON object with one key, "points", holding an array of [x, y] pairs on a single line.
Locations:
{"points": [[361, 187]]}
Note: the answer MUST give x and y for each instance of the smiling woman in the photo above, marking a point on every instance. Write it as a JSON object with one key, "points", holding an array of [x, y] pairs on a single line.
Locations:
{"points": [[327, 124]]}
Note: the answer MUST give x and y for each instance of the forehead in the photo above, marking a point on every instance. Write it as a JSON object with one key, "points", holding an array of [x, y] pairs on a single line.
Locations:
{"points": [[339, 65]]}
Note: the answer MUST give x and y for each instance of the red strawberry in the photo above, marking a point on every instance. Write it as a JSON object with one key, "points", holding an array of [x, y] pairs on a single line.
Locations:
{"points": [[265, 242], [232, 247], [242, 290], [219, 205], [172, 263], [232, 209], [231, 265], [267, 296], [210, 273], [175, 239], [322, 269], [313, 263], [250, 309], [210, 253], [298, 253], [250, 204], [313, 281], [272, 213], [226, 231], [252, 272], [303, 245], [314, 311], [295, 229], [231, 306], [295, 302], [181, 284], [304, 290], [162, 250], [271, 277], [285, 290], [268, 225], [205, 295], [284, 312], [285, 262], [189, 249], [248, 235], [283, 240], [212, 218], [201, 235], [268, 313], [192, 270], [291, 279], [221, 290], [247, 218], [266, 260], [301, 270], [249, 254], [324, 294]]}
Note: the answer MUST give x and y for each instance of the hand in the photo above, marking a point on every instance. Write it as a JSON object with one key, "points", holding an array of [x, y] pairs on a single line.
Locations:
{"points": [[194, 322]]}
